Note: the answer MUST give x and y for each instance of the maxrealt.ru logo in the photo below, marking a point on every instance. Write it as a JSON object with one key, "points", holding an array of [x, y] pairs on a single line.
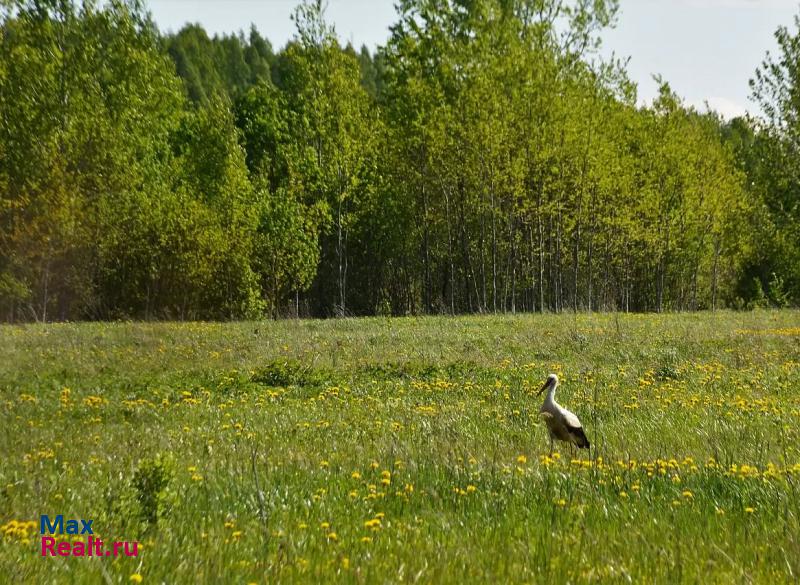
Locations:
{"points": [[91, 547]]}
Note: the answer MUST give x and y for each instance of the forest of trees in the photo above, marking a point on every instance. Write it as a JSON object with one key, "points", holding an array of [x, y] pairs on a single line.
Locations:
{"points": [[486, 159]]}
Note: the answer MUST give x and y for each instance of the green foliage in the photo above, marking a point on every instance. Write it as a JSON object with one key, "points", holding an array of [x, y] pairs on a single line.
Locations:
{"points": [[152, 481], [769, 152], [263, 119], [291, 373], [286, 246], [758, 300], [218, 66], [97, 135], [487, 159], [13, 293], [777, 292], [532, 180]]}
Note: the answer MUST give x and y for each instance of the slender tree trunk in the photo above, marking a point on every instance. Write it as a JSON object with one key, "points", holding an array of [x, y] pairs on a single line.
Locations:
{"points": [[513, 268], [450, 253], [606, 272], [551, 276], [45, 287], [341, 259], [426, 247], [551, 270], [662, 261], [576, 257], [626, 291], [465, 257], [540, 228], [532, 267], [559, 274], [695, 273], [589, 267], [494, 248], [482, 246], [714, 275], [509, 261], [578, 220]]}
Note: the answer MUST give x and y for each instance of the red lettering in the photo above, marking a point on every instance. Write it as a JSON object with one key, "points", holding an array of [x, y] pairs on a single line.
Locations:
{"points": [[48, 542], [135, 549], [93, 545]]}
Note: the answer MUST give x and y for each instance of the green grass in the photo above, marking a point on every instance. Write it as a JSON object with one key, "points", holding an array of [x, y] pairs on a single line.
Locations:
{"points": [[377, 450]]}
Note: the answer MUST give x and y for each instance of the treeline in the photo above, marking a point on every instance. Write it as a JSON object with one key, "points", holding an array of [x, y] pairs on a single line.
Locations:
{"points": [[485, 159]]}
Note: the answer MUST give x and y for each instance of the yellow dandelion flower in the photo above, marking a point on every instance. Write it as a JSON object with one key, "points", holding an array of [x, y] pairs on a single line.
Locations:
{"points": [[522, 459], [136, 578]]}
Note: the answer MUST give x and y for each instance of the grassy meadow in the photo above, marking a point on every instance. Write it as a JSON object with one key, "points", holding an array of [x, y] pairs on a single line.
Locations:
{"points": [[406, 450]]}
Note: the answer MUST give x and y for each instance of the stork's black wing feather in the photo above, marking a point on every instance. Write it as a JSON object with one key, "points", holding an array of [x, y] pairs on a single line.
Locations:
{"points": [[579, 436]]}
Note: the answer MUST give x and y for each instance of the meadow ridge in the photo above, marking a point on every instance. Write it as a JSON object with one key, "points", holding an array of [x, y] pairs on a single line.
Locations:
{"points": [[382, 450]]}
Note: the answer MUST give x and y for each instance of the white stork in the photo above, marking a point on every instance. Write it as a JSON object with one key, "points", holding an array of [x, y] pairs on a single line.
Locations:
{"points": [[561, 423]]}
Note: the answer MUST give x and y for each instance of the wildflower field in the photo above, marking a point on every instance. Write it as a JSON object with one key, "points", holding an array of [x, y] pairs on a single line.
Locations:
{"points": [[406, 450]]}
